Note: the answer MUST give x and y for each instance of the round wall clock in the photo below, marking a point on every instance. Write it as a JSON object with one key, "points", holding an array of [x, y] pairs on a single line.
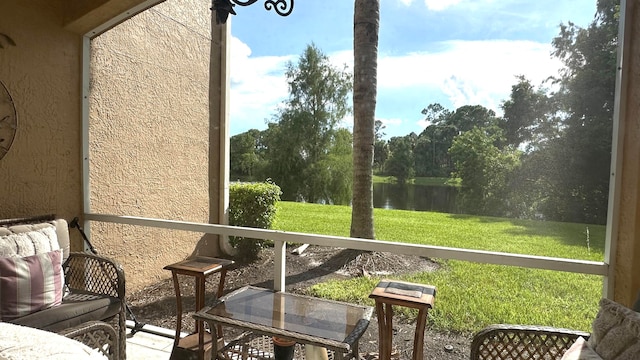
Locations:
{"points": [[8, 120]]}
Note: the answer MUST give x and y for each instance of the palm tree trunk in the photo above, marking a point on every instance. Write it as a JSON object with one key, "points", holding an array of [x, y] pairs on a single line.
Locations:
{"points": [[366, 21]]}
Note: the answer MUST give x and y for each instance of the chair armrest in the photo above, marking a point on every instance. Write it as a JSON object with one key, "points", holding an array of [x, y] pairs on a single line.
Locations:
{"points": [[96, 335], [500, 342], [94, 273]]}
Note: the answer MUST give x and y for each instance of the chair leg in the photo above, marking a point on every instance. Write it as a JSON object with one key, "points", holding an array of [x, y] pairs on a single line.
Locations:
{"points": [[122, 335], [418, 339]]}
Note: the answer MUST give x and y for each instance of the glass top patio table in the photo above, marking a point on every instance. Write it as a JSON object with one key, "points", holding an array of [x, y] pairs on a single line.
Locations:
{"points": [[309, 320]]}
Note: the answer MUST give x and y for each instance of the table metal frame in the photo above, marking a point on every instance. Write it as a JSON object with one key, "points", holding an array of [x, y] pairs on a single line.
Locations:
{"points": [[346, 348]]}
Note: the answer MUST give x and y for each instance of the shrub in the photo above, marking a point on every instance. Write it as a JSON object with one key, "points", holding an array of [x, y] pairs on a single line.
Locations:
{"points": [[252, 205]]}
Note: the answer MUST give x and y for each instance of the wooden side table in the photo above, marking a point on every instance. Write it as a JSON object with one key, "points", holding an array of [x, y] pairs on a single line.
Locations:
{"points": [[198, 344], [391, 292]]}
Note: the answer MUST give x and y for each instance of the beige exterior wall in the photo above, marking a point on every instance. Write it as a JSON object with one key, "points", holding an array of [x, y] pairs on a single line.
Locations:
{"points": [[149, 135], [41, 173]]}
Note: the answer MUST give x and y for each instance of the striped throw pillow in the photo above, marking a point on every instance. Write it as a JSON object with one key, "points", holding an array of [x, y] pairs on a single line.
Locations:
{"points": [[30, 284]]}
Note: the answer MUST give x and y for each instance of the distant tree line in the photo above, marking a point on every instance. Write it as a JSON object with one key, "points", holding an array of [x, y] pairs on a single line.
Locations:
{"points": [[548, 155]]}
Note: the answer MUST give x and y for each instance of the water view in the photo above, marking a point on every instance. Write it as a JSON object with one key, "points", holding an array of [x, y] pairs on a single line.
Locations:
{"points": [[415, 197]]}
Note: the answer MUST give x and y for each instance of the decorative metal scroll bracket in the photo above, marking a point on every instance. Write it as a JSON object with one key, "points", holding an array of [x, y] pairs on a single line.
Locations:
{"points": [[225, 7]]}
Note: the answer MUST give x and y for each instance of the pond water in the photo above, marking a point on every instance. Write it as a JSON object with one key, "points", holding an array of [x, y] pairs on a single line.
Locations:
{"points": [[415, 197]]}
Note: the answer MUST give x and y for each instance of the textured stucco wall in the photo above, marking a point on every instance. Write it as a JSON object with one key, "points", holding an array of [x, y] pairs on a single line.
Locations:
{"points": [[149, 135], [41, 173]]}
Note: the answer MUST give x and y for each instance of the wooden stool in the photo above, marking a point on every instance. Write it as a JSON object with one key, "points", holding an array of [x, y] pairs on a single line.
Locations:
{"points": [[198, 344], [401, 293]]}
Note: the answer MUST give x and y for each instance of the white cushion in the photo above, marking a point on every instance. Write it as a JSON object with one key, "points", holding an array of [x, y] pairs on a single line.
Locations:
{"points": [[21, 342], [29, 243]]}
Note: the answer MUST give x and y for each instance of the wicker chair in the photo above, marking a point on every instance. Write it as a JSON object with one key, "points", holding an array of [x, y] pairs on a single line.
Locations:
{"points": [[514, 342], [89, 278], [106, 278], [502, 342], [96, 335]]}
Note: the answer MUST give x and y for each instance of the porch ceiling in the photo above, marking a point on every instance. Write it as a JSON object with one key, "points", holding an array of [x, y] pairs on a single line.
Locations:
{"points": [[82, 16]]}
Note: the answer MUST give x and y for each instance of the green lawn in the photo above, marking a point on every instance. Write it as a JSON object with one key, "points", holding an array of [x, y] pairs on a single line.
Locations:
{"points": [[471, 296]]}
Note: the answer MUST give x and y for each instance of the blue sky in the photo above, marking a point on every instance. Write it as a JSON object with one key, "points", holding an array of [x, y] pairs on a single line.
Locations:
{"points": [[454, 52]]}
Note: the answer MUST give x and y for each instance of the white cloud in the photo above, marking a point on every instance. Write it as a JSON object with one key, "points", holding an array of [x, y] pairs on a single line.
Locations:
{"points": [[422, 123], [439, 5], [342, 58], [464, 72], [434, 5], [347, 122], [258, 86], [470, 72], [389, 123]]}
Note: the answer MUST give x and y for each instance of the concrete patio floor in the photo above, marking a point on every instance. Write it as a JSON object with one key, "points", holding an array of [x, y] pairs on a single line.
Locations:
{"points": [[147, 346]]}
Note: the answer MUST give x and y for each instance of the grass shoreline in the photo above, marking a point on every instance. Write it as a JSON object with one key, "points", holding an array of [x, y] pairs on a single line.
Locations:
{"points": [[429, 181], [471, 295]]}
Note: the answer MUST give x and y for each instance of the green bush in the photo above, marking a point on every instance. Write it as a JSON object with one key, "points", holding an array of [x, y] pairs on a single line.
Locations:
{"points": [[252, 205]]}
